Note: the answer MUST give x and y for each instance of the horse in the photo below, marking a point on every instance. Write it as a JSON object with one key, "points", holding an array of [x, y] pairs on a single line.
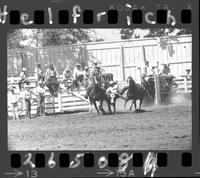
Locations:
{"points": [[135, 92], [98, 94]]}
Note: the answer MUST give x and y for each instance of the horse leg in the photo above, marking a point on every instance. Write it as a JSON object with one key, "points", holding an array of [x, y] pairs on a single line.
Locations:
{"points": [[127, 99], [90, 109], [131, 105], [135, 104], [141, 100], [101, 107], [109, 108], [96, 107], [114, 106]]}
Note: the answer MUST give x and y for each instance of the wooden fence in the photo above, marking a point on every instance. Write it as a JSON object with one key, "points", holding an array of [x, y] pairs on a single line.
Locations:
{"points": [[122, 58]]}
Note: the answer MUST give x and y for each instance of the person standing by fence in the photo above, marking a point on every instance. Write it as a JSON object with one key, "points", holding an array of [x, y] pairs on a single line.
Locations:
{"points": [[40, 98], [13, 99], [27, 98]]}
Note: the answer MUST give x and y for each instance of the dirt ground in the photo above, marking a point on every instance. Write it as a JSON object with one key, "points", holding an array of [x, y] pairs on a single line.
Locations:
{"points": [[159, 127]]}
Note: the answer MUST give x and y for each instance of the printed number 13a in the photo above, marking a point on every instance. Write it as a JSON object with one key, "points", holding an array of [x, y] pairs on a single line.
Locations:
{"points": [[32, 173]]}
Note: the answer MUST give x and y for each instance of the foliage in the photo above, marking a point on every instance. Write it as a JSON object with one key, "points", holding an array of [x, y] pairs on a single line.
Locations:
{"points": [[18, 38], [128, 33], [14, 38]]}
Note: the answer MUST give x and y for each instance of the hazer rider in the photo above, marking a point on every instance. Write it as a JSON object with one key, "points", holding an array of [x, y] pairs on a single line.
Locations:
{"points": [[97, 74]]}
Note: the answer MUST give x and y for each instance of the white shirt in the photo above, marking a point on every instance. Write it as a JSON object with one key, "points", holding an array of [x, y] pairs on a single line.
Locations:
{"points": [[77, 72], [12, 98], [113, 89], [40, 90]]}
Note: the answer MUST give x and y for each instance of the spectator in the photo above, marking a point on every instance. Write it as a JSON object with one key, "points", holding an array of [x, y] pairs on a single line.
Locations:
{"points": [[13, 99], [41, 98], [77, 71], [23, 78], [27, 98]]}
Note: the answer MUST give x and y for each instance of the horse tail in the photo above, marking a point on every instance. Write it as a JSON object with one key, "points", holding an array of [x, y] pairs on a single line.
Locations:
{"points": [[123, 90]]}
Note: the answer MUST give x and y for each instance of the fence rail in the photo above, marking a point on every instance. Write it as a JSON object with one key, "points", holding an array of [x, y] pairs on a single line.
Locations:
{"points": [[122, 58]]}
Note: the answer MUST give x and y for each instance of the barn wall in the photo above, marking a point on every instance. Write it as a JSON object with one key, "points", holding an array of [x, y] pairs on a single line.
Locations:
{"points": [[122, 58]]}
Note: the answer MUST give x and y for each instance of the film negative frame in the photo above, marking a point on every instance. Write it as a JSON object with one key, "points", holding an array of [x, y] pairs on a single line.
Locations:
{"points": [[100, 163]]}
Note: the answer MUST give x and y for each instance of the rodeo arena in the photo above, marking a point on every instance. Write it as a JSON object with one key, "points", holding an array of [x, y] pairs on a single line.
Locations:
{"points": [[117, 95]]}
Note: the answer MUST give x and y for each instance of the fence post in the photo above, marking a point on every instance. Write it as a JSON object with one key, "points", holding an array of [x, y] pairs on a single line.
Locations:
{"points": [[60, 102], [122, 62], [185, 84], [157, 88], [144, 69]]}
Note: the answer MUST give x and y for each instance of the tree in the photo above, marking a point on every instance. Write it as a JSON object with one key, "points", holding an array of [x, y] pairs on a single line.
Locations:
{"points": [[50, 37], [129, 33], [14, 38]]}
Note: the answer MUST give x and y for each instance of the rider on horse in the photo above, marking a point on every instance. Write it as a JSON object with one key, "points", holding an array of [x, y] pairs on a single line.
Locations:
{"points": [[97, 75], [87, 76], [51, 79]]}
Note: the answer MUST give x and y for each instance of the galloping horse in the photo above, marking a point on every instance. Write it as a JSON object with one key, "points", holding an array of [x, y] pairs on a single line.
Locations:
{"points": [[135, 92], [98, 94]]}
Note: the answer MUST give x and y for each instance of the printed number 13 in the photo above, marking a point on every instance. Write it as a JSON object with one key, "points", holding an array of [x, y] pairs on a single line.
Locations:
{"points": [[32, 173]]}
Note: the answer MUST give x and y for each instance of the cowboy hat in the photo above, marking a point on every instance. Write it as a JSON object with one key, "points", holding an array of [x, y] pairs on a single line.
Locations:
{"points": [[23, 69], [78, 64], [11, 88], [50, 65], [40, 82], [111, 82]]}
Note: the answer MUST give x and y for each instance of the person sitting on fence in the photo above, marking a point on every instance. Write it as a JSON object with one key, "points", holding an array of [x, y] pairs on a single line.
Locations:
{"points": [[67, 77], [40, 98], [27, 98], [95, 64], [39, 74], [166, 70], [51, 79], [77, 71], [23, 78], [87, 76], [77, 75], [13, 99]]}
